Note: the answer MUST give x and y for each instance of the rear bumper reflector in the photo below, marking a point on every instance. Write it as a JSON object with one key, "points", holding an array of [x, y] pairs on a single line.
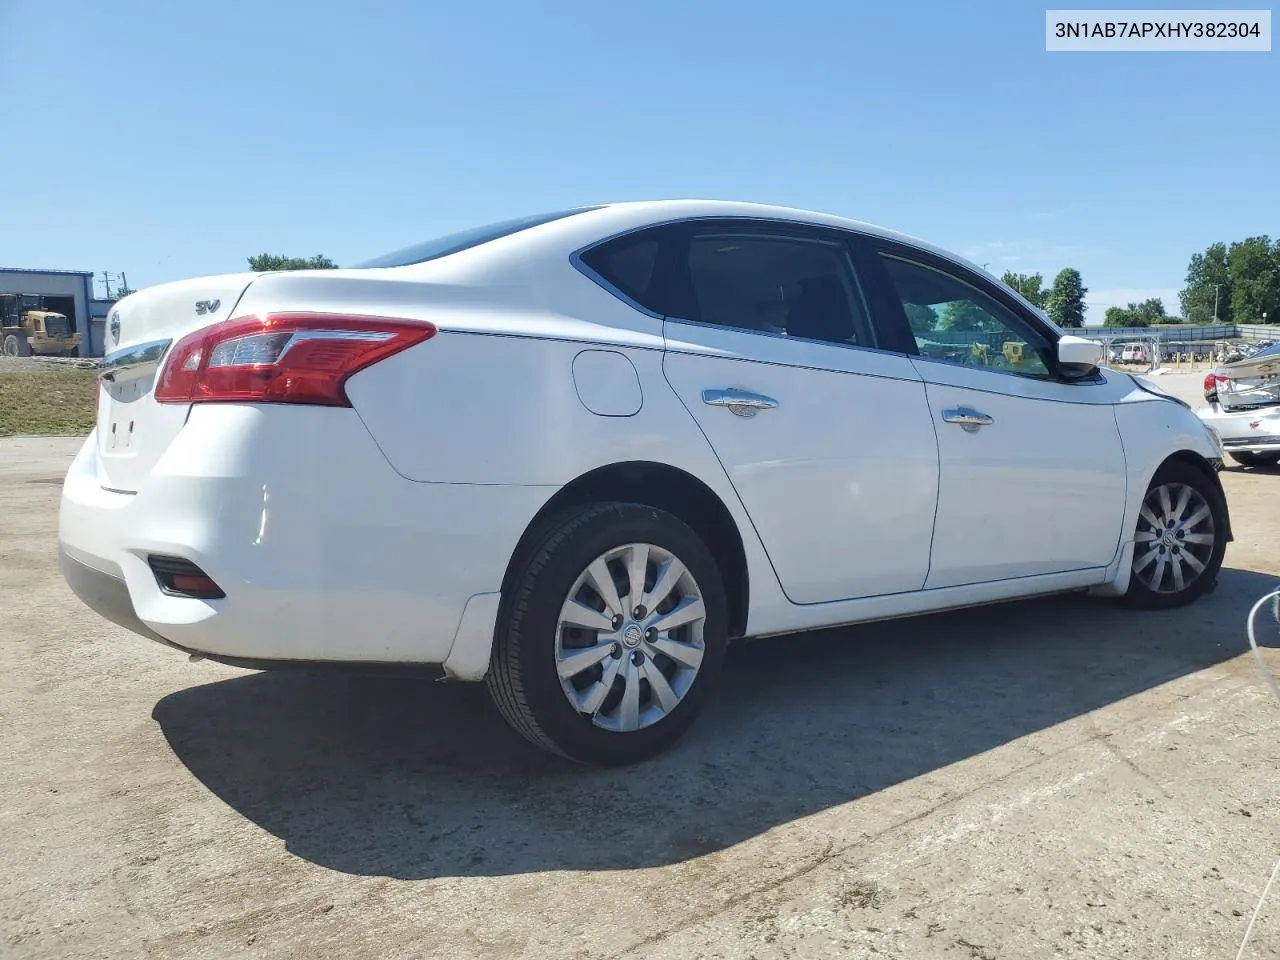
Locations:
{"points": [[182, 578]]}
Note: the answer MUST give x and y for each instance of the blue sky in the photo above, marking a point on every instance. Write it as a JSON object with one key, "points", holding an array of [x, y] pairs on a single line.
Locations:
{"points": [[171, 139]]}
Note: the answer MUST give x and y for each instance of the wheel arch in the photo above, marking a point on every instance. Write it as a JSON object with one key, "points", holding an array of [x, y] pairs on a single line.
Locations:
{"points": [[667, 488], [1117, 583], [1205, 467]]}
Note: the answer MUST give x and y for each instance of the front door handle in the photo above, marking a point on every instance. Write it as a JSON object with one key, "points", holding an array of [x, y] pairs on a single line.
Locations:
{"points": [[967, 418], [744, 403]]}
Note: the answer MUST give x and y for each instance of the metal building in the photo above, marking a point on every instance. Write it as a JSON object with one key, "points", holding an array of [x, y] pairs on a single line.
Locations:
{"points": [[68, 292]]}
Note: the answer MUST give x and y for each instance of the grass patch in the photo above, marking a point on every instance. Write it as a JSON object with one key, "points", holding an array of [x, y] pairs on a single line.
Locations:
{"points": [[48, 402]]}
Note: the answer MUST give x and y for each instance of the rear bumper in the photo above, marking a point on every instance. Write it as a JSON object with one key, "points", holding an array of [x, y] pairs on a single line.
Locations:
{"points": [[103, 592], [1265, 445], [1247, 431], [107, 595], [325, 554]]}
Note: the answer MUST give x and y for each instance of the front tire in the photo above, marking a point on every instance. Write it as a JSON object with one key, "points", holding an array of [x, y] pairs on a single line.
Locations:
{"points": [[1180, 540], [612, 636], [1247, 459]]}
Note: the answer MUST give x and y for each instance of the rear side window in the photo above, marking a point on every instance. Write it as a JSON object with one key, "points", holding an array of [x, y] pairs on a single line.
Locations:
{"points": [[788, 285], [631, 265], [465, 239]]}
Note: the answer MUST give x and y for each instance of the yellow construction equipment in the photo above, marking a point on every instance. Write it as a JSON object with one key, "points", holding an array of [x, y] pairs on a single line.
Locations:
{"points": [[27, 328]]}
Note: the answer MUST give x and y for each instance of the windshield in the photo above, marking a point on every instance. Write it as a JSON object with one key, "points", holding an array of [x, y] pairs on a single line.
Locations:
{"points": [[465, 239]]}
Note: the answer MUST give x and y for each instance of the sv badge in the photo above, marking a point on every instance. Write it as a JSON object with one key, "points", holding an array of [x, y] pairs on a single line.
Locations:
{"points": [[207, 306]]}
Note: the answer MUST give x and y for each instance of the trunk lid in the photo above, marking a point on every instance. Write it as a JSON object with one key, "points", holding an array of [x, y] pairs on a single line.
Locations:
{"points": [[134, 430], [1252, 383]]}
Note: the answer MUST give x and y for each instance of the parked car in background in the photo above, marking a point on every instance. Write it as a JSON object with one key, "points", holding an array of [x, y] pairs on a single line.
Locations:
{"points": [[1254, 347], [574, 455], [1135, 353], [1243, 400]]}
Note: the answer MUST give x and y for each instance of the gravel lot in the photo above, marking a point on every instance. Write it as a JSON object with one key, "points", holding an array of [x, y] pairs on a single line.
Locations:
{"points": [[1052, 778]]}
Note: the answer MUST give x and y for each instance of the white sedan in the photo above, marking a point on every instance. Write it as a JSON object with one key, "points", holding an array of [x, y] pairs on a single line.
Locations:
{"points": [[574, 455]]}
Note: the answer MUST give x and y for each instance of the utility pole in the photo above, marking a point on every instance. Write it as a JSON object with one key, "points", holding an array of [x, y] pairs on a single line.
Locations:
{"points": [[1215, 301], [122, 283]]}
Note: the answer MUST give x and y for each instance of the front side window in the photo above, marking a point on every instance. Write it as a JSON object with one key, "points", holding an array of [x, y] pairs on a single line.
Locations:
{"points": [[957, 323]]}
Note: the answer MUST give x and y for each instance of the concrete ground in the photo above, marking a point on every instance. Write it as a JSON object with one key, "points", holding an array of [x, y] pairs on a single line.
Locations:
{"points": [[1186, 386], [1057, 778]]}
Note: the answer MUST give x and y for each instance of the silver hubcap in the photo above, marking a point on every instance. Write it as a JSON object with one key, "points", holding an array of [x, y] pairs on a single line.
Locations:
{"points": [[629, 642], [1175, 538]]}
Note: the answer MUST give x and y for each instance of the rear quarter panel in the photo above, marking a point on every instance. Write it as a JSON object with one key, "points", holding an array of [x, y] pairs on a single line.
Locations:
{"points": [[466, 408], [471, 408]]}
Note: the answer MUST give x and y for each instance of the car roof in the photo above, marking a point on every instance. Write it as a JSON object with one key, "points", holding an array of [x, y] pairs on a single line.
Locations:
{"points": [[585, 226], [659, 211], [624, 216]]}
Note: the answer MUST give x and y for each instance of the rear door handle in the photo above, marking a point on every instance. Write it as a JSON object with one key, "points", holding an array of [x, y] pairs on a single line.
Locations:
{"points": [[967, 418], [744, 403]]}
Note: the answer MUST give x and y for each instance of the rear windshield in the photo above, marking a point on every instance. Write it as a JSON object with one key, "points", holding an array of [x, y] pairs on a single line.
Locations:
{"points": [[464, 239], [1267, 352]]}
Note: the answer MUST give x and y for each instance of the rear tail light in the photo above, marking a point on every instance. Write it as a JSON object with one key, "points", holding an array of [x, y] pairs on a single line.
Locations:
{"points": [[285, 358], [1212, 380]]}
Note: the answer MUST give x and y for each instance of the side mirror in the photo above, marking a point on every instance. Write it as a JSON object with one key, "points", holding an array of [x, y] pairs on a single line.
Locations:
{"points": [[1078, 357]]}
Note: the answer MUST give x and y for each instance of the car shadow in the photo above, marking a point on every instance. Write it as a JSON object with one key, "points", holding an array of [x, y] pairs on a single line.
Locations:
{"points": [[413, 779]]}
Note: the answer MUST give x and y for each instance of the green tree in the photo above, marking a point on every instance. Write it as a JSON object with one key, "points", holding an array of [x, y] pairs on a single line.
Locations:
{"points": [[964, 315], [1151, 311], [1207, 279], [267, 262], [123, 292], [1031, 286], [922, 319], [1253, 267], [1130, 316], [1065, 303]]}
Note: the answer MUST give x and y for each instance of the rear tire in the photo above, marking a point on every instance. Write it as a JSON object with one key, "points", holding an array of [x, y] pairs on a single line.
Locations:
{"points": [[1246, 459], [1181, 539], [15, 345], [642, 681]]}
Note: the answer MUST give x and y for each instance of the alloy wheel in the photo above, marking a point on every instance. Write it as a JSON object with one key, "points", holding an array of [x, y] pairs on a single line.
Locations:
{"points": [[629, 641], [1175, 538]]}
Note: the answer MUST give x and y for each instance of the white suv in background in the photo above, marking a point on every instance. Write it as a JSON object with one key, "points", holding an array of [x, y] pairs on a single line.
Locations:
{"points": [[1135, 353]]}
